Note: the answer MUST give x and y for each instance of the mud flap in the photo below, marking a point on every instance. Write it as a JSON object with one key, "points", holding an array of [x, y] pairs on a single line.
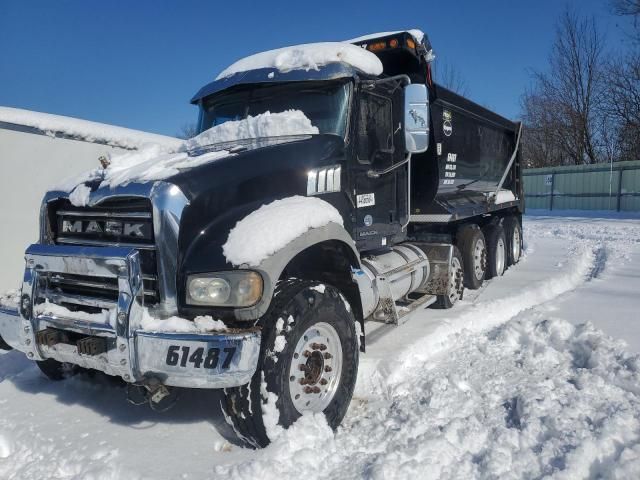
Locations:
{"points": [[439, 255]]}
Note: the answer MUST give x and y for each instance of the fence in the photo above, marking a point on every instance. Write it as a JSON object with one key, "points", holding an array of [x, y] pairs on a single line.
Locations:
{"points": [[608, 186]]}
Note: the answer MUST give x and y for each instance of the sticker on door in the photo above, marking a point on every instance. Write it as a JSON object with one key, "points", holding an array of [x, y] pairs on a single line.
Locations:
{"points": [[366, 200]]}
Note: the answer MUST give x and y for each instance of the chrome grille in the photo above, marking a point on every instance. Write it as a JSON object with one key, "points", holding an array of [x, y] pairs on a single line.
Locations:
{"points": [[112, 223], [120, 222]]}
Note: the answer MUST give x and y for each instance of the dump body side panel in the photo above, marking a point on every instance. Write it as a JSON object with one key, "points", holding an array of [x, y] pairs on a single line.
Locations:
{"points": [[470, 151]]}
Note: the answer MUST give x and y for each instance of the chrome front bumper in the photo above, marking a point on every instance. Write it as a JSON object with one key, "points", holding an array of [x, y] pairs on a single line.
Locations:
{"points": [[195, 360]]}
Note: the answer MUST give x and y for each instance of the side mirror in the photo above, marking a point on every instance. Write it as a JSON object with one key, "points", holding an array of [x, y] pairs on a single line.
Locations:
{"points": [[416, 118]]}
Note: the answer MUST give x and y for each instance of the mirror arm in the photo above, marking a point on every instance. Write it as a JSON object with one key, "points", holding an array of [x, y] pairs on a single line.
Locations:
{"points": [[403, 79], [379, 173]]}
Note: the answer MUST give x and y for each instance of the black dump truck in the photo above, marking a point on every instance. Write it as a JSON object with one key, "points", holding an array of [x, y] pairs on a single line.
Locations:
{"points": [[429, 191]]}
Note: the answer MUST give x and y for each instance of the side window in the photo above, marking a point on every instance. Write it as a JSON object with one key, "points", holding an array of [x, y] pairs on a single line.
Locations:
{"points": [[375, 131]]}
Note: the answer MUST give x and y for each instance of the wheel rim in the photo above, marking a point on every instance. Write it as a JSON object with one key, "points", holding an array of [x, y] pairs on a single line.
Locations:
{"points": [[500, 254], [515, 245], [455, 280], [479, 259], [316, 368]]}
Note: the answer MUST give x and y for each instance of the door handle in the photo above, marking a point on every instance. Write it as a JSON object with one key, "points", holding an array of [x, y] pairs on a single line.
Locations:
{"points": [[379, 173]]}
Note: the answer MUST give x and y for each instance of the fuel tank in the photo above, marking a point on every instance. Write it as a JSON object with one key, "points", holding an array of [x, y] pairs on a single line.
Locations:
{"points": [[394, 274]]}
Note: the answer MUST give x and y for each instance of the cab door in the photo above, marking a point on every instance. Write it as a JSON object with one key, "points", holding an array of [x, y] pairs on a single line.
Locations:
{"points": [[380, 189]]}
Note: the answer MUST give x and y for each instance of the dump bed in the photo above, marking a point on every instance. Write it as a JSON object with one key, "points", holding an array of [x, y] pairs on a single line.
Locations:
{"points": [[470, 167]]}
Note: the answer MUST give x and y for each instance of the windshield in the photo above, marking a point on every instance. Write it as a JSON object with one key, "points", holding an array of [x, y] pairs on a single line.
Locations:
{"points": [[325, 104]]}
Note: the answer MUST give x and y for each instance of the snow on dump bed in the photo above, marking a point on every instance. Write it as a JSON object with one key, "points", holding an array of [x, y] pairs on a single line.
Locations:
{"points": [[157, 162], [84, 129], [271, 227], [308, 56], [414, 32]]}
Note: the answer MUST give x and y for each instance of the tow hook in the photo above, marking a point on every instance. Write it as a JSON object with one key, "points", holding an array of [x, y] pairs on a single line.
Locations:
{"points": [[159, 397]]}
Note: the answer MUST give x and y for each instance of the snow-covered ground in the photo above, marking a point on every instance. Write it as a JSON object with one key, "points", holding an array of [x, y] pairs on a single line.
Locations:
{"points": [[528, 377]]}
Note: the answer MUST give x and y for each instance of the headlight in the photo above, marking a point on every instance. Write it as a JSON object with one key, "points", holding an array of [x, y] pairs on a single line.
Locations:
{"points": [[225, 289]]}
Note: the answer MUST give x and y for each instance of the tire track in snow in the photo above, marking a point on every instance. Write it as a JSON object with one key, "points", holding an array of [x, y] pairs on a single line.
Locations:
{"points": [[482, 316]]}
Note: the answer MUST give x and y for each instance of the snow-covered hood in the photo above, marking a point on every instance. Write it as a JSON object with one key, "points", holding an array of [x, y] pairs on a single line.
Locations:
{"points": [[157, 162]]}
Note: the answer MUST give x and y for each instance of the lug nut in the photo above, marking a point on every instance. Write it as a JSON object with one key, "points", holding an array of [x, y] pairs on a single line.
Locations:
{"points": [[308, 390], [30, 354], [122, 347], [327, 356], [27, 341], [323, 381], [27, 329], [306, 353], [302, 381], [123, 362], [302, 367], [318, 346], [327, 368]]}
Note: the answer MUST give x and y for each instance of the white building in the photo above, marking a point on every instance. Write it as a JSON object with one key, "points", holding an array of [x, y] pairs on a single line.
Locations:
{"points": [[38, 150]]}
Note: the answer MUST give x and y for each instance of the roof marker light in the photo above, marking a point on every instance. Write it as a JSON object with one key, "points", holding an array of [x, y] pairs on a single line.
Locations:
{"points": [[374, 47]]}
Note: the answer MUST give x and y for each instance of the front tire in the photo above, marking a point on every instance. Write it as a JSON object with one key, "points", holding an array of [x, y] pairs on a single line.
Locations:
{"points": [[4, 345], [308, 363], [56, 371]]}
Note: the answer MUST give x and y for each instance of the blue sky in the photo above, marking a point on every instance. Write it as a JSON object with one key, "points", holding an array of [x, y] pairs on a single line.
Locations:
{"points": [[137, 64]]}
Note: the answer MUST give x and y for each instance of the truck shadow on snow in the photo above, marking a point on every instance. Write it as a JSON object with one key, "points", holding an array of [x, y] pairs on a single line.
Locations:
{"points": [[107, 396]]}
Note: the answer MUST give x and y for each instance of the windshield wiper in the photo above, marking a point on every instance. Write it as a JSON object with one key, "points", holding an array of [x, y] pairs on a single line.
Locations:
{"points": [[234, 146]]}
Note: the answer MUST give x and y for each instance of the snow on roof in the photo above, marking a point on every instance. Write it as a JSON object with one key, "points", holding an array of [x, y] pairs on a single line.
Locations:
{"points": [[271, 227], [84, 129], [418, 35], [307, 57]]}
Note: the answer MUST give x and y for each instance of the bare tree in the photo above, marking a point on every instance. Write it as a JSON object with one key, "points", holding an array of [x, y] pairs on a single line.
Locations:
{"points": [[187, 130], [562, 111], [623, 94], [449, 77], [629, 8], [540, 135], [623, 101]]}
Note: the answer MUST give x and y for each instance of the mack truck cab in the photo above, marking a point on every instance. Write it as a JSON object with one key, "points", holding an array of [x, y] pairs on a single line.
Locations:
{"points": [[354, 189]]}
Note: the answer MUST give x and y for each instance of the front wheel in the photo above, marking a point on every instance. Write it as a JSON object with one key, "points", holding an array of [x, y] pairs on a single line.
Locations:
{"points": [[308, 363]]}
